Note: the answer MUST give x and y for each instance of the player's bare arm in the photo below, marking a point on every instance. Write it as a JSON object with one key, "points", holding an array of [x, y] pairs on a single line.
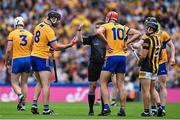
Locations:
{"points": [[57, 46], [8, 53], [100, 33], [79, 32], [172, 52], [135, 35], [138, 44]]}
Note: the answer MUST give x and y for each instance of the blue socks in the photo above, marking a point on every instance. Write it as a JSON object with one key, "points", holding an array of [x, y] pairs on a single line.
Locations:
{"points": [[106, 107], [153, 108], [122, 111], [20, 95]]}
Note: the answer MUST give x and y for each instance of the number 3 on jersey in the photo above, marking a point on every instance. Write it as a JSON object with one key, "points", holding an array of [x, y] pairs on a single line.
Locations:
{"points": [[118, 33], [24, 40], [37, 36]]}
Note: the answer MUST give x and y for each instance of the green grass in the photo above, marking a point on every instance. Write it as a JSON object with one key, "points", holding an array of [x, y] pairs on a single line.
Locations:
{"points": [[80, 110]]}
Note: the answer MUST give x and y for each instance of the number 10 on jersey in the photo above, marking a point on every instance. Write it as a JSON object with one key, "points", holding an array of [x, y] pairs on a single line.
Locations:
{"points": [[118, 33]]}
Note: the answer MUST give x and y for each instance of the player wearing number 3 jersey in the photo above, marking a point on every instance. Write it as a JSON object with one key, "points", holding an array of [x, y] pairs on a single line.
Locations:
{"points": [[19, 43], [44, 39], [114, 35]]}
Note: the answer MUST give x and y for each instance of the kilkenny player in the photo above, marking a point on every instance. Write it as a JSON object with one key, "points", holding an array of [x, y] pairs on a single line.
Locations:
{"points": [[19, 46], [162, 72], [149, 65], [114, 34], [44, 38]]}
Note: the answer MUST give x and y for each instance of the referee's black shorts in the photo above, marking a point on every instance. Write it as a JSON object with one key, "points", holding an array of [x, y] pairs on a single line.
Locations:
{"points": [[94, 71]]}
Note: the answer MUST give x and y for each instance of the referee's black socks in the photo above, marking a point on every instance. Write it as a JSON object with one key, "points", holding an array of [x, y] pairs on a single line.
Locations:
{"points": [[91, 99]]}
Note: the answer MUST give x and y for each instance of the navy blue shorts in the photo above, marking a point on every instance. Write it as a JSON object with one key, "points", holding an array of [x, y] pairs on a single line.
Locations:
{"points": [[115, 64], [162, 69], [20, 65], [40, 64]]}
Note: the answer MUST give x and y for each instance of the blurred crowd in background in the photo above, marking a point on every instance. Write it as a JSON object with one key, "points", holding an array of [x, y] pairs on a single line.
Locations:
{"points": [[72, 63]]}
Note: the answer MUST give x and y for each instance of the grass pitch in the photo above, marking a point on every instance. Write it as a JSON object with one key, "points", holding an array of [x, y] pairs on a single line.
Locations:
{"points": [[80, 111]]}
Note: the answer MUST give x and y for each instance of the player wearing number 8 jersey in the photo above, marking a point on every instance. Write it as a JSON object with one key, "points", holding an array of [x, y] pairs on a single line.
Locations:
{"points": [[19, 43], [44, 39], [114, 35]]}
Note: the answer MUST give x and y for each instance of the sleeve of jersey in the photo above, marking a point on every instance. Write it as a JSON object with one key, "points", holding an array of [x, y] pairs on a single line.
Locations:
{"points": [[166, 37], [146, 44], [10, 37], [51, 35]]}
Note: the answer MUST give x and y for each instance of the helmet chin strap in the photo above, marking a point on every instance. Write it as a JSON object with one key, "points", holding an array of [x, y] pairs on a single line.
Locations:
{"points": [[149, 32], [110, 18], [53, 22]]}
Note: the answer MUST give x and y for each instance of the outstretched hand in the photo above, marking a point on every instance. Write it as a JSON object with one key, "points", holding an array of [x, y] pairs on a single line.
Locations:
{"points": [[80, 26]]}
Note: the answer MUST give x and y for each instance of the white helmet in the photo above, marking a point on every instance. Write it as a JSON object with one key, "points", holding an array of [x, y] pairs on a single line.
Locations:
{"points": [[18, 21]]}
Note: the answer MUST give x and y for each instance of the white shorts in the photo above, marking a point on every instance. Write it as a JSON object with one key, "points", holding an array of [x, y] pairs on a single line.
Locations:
{"points": [[147, 75]]}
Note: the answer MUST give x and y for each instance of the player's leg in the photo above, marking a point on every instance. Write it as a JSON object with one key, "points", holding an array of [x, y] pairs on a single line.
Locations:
{"points": [[153, 106], [24, 87], [162, 78], [37, 91], [42, 66], [104, 78], [91, 97], [26, 67], [155, 97], [98, 100], [120, 85], [163, 91], [114, 90], [120, 76], [15, 84], [93, 75], [145, 84], [45, 79], [17, 89], [15, 75]]}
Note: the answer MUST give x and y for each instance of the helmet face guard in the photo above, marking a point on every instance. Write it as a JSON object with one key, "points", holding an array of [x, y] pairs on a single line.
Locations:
{"points": [[54, 17], [152, 23]]}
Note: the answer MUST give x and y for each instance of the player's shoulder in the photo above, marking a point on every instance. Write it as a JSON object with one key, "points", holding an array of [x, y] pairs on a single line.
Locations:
{"points": [[144, 36], [164, 34], [14, 32], [105, 25], [28, 32]]}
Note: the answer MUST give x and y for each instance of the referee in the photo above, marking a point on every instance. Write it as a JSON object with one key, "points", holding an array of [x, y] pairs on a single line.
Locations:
{"points": [[98, 51]]}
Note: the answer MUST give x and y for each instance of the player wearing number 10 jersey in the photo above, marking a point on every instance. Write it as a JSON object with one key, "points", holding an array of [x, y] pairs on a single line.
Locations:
{"points": [[114, 35], [19, 43], [44, 39]]}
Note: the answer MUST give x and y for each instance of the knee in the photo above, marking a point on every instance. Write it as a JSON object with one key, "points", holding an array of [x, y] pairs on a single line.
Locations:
{"points": [[92, 87], [162, 85]]}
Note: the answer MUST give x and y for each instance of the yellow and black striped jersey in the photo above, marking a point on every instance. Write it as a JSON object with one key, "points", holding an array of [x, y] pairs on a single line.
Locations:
{"points": [[154, 46]]}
